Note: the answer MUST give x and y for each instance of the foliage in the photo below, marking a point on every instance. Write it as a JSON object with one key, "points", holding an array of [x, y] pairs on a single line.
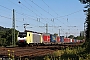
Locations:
{"points": [[70, 53], [84, 1], [79, 37], [57, 53], [55, 34], [6, 36], [88, 25], [2, 41], [87, 18], [71, 36], [3, 29], [87, 22], [46, 58]]}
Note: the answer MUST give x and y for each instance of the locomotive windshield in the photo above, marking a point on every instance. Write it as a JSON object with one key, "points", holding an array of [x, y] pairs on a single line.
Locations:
{"points": [[22, 34]]}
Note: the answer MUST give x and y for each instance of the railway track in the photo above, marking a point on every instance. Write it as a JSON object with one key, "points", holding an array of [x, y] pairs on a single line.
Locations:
{"points": [[23, 51], [31, 51]]}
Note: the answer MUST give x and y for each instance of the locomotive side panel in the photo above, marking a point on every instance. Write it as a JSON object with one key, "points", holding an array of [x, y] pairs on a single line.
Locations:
{"points": [[29, 37]]}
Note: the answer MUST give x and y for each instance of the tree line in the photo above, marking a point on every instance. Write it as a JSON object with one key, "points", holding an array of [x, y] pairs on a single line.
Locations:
{"points": [[87, 23], [6, 36]]}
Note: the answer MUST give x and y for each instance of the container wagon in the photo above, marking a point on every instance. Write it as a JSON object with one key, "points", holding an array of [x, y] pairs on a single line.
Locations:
{"points": [[62, 39], [45, 38], [52, 39], [58, 40], [67, 40]]}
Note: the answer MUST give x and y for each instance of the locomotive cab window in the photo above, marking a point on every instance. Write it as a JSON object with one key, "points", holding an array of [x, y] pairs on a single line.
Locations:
{"points": [[29, 34], [22, 34]]}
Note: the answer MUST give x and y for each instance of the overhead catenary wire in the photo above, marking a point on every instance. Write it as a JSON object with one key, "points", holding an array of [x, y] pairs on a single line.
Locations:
{"points": [[28, 8], [18, 13], [32, 11], [33, 7], [57, 17], [5, 17], [54, 12], [48, 12], [7, 9], [34, 19], [22, 8], [36, 10], [70, 14], [58, 14], [41, 8], [64, 15], [50, 7]]}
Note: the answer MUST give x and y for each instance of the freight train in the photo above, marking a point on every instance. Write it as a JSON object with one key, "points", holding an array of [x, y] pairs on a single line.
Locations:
{"points": [[35, 38]]}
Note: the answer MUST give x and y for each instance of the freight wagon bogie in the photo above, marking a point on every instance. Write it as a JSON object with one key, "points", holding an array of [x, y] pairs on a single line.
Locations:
{"points": [[21, 44]]}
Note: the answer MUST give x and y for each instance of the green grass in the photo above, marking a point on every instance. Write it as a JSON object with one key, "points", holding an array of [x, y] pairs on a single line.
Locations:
{"points": [[75, 53]]}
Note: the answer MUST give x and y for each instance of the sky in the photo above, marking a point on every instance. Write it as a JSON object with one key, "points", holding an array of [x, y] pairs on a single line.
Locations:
{"points": [[64, 15]]}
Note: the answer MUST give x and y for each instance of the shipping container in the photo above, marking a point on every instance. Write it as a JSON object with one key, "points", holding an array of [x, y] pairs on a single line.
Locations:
{"points": [[61, 39], [72, 41], [58, 39], [52, 38], [75, 40], [67, 40], [46, 37], [37, 38]]}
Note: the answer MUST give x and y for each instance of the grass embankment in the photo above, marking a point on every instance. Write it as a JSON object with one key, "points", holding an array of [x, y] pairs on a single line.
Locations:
{"points": [[74, 53]]}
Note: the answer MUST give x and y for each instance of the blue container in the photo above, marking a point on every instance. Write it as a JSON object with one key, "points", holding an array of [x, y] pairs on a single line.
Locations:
{"points": [[52, 38], [62, 39], [75, 40]]}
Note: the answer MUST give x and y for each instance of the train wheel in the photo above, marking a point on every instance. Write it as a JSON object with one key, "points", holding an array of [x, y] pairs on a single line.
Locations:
{"points": [[31, 45]]}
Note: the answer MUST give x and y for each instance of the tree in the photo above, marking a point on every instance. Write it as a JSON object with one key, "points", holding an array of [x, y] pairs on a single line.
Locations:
{"points": [[6, 37], [87, 18], [71, 36], [88, 25], [87, 42], [79, 38], [85, 1]]}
